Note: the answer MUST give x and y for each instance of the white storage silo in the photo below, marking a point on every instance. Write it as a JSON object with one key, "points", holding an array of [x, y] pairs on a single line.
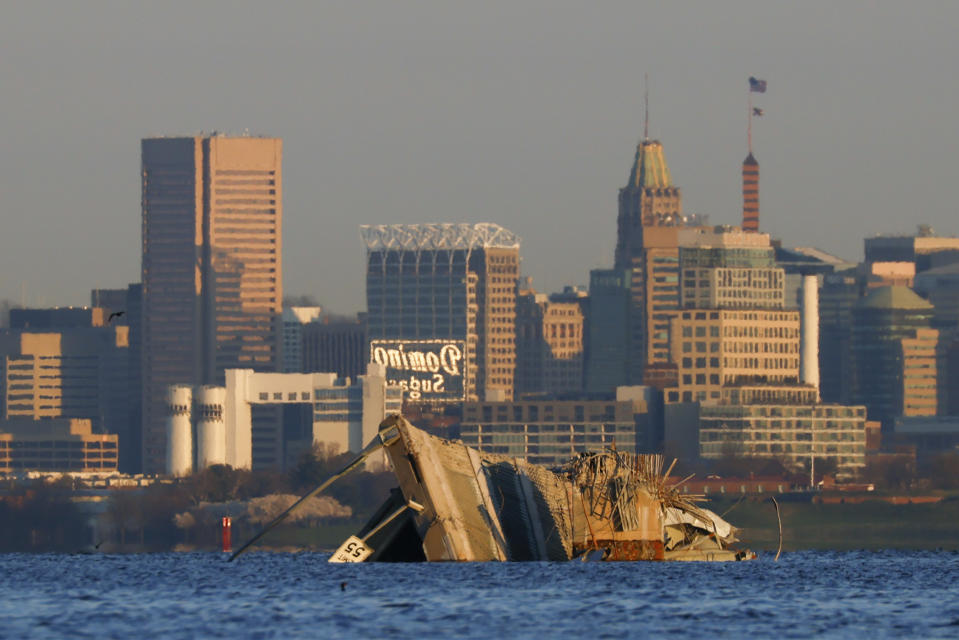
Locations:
{"points": [[210, 426], [179, 436]]}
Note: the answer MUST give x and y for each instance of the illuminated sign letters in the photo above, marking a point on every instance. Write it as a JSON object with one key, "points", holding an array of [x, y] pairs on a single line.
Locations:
{"points": [[425, 369]]}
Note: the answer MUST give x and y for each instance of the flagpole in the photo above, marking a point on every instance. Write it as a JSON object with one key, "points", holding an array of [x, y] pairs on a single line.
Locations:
{"points": [[645, 107], [749, 125]]}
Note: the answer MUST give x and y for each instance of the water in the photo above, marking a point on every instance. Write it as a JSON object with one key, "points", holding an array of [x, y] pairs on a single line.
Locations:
{"points": [[262, 595]]}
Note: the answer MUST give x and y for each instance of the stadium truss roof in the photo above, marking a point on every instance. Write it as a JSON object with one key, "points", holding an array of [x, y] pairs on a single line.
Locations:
{"points": [[437, 236]]}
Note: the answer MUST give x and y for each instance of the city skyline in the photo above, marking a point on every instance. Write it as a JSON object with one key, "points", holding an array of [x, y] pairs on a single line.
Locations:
{"points": [[512, 115]]}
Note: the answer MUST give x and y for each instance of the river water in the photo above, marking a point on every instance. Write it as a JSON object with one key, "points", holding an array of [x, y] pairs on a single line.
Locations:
{"points": [[267, 595]]}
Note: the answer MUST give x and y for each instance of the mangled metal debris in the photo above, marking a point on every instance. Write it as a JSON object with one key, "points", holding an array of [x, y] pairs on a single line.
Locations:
{"points": [[455, 503]]}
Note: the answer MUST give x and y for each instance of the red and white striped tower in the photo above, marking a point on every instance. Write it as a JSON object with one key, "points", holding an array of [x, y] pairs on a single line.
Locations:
{"points": [[750, 194], [750, 177]]}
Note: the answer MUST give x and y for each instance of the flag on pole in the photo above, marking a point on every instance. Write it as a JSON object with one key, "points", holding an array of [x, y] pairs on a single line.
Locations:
{"points": [[757, 85], [757, 111]]}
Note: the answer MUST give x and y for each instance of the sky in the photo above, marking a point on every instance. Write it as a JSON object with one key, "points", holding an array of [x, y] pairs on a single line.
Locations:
{"points": [[526, 114]]}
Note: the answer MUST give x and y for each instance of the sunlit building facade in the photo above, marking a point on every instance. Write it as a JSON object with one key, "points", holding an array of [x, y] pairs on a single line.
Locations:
{"points": [[447, 282], [211, 271]]}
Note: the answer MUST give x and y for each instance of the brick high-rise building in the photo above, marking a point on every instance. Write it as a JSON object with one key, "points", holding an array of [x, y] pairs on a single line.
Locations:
{"points": [[650, 210], [549, 345], [212, 271]]}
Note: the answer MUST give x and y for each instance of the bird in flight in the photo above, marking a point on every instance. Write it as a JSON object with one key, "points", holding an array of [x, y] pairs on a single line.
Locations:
{"points": [[115, 314]]}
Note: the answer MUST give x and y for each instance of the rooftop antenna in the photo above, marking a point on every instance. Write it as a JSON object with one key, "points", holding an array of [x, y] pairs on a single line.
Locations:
{"points": [[646, 109]]}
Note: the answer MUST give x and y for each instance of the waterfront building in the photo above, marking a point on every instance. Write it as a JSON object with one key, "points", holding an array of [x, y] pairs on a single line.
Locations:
{"points": [[931, 436], [785, 422], [550, 432], [76, 372], [431, 287], [893, 350], [344, 414], [733, 327], [55, 445], [718, 347], [212, 272]]}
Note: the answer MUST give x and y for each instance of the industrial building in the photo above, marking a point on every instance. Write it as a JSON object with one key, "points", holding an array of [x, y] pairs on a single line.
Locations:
{"points": [[345, 415]]}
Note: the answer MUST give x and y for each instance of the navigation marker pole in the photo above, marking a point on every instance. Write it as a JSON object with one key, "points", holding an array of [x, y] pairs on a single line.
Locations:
{"points": [[384, 438]]}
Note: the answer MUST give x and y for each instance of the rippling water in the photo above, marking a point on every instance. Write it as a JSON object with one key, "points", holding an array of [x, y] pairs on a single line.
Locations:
{"points": [[263, 595]]}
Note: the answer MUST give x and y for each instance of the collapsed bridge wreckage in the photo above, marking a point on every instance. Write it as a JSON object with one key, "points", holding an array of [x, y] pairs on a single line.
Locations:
{"points": [[455, 503]]}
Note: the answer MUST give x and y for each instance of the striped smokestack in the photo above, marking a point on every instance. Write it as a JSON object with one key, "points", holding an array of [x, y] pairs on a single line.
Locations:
{"points": [[750, 194]]}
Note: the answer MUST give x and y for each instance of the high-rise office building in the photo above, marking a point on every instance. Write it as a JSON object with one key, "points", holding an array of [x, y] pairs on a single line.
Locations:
{"points": [[894, 354], [728, 268], [650, 211], [926, 249], [75, 372], [212, 271], [607, 360], [733, 328], [336, 345], [441, 300], [295, 321], [124, 307]]}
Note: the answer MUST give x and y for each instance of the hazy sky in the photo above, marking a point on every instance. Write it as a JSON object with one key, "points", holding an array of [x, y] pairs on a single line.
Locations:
{"points": [[521, 113]]}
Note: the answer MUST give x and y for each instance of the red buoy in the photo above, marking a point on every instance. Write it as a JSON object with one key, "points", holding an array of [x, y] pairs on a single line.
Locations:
{"points": [[227, 538]]}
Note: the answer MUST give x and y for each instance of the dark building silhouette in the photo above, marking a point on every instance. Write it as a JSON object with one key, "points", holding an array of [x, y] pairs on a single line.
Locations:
{"points": [[339, 346], [124, 307], [549, 344], [608, 333], [894, 353]]}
